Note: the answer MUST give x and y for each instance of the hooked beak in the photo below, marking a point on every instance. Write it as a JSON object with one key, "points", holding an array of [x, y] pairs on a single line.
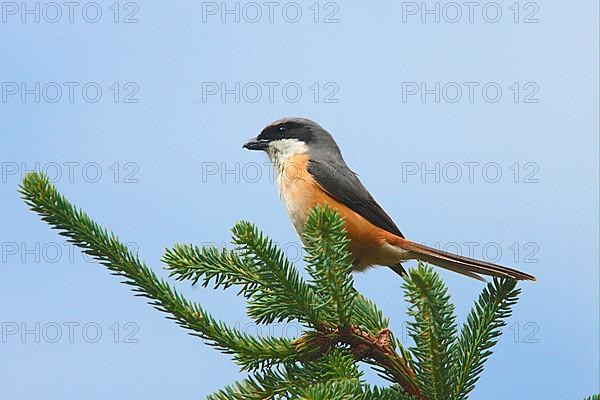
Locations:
{"points": [[256, 144]]}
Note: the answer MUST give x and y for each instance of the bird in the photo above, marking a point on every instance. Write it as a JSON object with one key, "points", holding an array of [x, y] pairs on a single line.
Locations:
{"points": [[311, 171]]}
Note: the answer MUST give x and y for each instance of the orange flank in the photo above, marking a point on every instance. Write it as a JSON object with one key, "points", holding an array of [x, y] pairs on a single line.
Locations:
{"points": [[369, 244]]}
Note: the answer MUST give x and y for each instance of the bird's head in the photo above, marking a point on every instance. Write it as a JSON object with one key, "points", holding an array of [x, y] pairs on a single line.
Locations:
{"points": [[289, 137]]}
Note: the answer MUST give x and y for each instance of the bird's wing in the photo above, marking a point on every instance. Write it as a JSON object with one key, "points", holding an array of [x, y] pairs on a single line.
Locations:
{"points": [[343, 185]]}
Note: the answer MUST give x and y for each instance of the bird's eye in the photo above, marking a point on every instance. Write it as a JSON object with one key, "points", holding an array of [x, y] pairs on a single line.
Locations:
{"points": [[282, 129]]}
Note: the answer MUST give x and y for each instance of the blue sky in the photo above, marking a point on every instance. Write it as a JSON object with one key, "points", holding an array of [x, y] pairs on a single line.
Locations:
{"points": [[479, 137]]}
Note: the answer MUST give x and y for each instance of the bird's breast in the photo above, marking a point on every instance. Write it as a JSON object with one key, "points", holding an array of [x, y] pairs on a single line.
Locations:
{"points": [[297, 188]]}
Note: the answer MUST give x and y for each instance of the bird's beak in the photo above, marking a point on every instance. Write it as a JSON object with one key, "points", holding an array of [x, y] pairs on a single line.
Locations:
{"points": [[256, 144]]}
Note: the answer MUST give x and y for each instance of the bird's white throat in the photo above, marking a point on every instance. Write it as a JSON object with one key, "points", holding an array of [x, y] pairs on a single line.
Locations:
{"points": [[281, 151]]}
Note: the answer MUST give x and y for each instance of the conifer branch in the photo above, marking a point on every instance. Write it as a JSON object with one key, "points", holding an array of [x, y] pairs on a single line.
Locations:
{"points": [[285, 295], [224, 268], [479, 334], [367, 316], [343, 327], [352, 390], [106, 248], [329, 262], [275, 290], [433, 331], [289, 380]]}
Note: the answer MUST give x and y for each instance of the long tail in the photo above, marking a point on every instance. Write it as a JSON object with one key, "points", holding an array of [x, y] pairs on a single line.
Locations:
{"points": [[463, 265]]}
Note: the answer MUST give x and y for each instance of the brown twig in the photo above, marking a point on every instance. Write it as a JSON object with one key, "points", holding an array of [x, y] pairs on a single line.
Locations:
{"points": [[364, 346]]}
